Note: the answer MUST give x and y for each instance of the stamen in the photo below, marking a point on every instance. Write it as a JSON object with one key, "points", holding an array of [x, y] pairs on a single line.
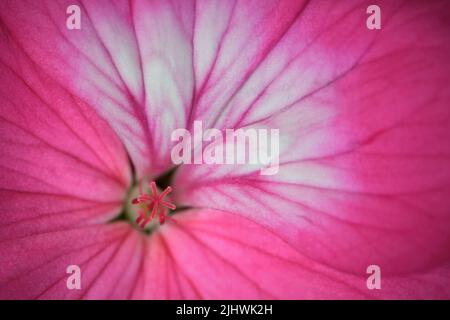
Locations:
{"points": [[151, 205]]}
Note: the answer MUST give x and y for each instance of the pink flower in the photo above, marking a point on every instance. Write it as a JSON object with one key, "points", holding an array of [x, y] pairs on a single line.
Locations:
{"points": [[364, 175]]}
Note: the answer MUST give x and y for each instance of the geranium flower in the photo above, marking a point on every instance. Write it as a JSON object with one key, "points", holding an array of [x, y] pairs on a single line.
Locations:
{"points": [[86, 115]]}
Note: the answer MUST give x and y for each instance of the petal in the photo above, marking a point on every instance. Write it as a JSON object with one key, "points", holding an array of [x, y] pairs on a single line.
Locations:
{"points": [[363, 118], [131, 61], [35, 266], [230, 44], [61, 164], [212, 254], [198, 254]]}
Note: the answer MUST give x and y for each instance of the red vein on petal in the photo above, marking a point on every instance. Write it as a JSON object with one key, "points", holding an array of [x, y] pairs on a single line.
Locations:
{"points": [[110, 259], [175, 264]]}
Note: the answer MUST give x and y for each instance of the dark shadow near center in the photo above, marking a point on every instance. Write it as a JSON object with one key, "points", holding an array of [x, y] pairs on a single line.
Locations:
{"points": [[165, 179]]}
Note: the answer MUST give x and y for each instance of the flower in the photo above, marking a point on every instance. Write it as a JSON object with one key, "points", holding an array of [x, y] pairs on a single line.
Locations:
{"points": [[364, 155]]}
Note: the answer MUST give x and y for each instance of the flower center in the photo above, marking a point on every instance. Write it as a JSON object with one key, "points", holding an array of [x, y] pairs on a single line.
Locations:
{"points": [[148, 203]]}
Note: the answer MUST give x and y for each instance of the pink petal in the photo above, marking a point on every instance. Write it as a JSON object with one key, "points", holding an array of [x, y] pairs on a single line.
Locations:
{"points": [[204, 254], [364, 123], [61, 164], [217, 255], [35, 266], [131, 61]]}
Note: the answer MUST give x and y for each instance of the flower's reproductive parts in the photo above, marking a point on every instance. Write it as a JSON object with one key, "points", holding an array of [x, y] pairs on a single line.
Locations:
{"points": [[152, 204]]}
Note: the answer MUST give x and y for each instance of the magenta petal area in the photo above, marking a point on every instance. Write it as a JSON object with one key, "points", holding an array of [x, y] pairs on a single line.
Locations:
{"points": [[61, 164], [36, 266], [206, 254], [213, 254]]}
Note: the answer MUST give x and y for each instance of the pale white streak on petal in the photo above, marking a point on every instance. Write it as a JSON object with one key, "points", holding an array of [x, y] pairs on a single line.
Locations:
{"points": [[273, 92], [164, 34]]}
